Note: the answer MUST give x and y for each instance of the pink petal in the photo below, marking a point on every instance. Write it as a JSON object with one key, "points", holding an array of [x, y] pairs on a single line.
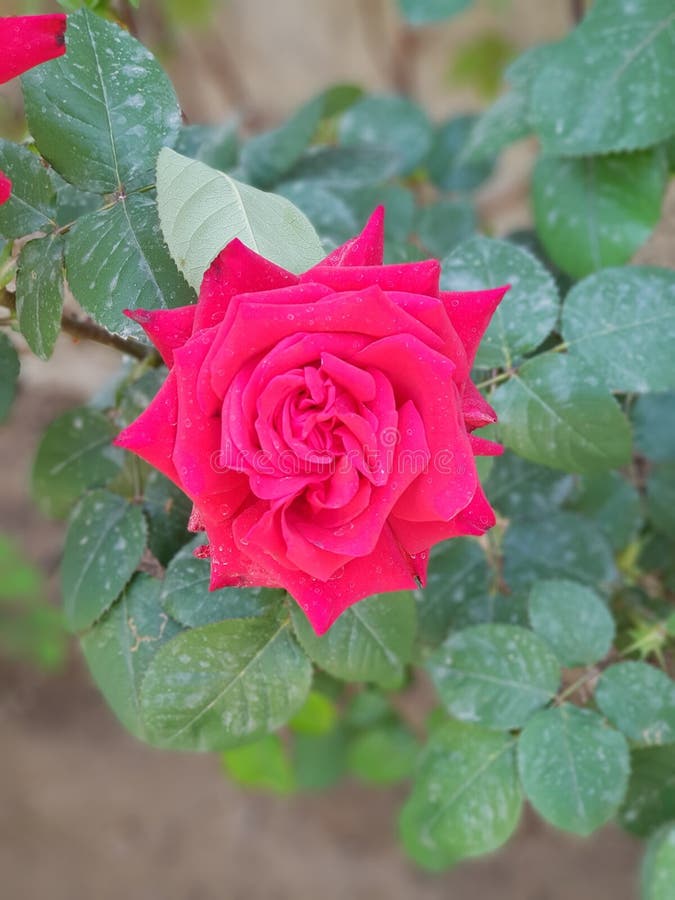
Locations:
{"points": [[417, 537], [476, 410], [153, 435], [470, 313], [168, 329], [483, 447], [366, 249], [236, 269]]}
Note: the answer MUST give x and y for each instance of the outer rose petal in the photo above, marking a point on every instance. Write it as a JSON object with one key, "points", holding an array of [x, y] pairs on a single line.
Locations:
{"points": [[236, 270], [168, 329], [27, 41], [366, 249], [470, 312], [5, 188], [476, 410], [152, 436], [417, 537]]}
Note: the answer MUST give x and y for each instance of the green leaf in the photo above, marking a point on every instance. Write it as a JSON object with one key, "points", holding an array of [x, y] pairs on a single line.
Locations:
{"points": [[621, 322], [392, 122], [596, 212], [561, 545], [9, 374], [441, 226], [653, 418], [661, 498], [398, 202], [555, 412], [458, 575], [267, 157], [116, 260], [119, 647], [348, 168], [425, 12], [332, 218], [76, 453], [202, 210], [640, 700], [105, 542], [448, 166], [371, 641], [32, 203], [574, 769], [39, 294], [466, 800], [495, 675], [612, 502], [502, 124], [385, 754], [101, 112], [317, 716], [187, 598], [215, 145], [262, 764], [650, 801], [71, 202], [319, 760], [167, 510], [213, 687], [605, 87], [528, 312], [573, 620], [657, 875], [519, 489]]}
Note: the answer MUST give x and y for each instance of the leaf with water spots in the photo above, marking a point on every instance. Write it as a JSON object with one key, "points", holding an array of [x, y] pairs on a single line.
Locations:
{"points": [[371, 641], [494, 675], [104, 544], [116, 260], [466, 800], [76, 452], [186, 595], [9, 375], [32, 203], [574, 769], [528, 312], [609, 84], [39, 294], [557, 412], [595, 212], [101, 112], [622, 322], [640, 700], [213, 687], [119, 647], [572, 619]]}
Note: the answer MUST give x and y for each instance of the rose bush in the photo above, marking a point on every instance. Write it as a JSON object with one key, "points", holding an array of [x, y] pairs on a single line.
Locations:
{"points": [[322, 423]]}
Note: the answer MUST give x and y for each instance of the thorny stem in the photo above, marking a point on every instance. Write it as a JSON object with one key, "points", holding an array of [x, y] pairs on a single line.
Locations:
{"points": [[87, 329]]}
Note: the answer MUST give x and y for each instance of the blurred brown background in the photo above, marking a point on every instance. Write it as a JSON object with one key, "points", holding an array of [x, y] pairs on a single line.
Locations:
{"points": [[86, 813]]}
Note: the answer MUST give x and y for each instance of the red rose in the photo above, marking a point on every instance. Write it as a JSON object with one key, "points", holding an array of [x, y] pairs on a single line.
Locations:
{"points": [[27, 41], [321, 423]]}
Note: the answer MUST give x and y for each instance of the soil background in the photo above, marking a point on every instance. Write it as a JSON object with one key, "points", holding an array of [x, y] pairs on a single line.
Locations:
{"points": [[86, 812]]}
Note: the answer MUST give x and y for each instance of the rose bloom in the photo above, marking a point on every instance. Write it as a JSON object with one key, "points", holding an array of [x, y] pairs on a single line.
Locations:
{"points": [[322, 423]]}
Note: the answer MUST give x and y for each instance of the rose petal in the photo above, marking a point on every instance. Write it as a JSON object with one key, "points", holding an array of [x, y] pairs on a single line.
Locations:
{"points": [[28, 41], [470, 313], [152, 436], [5, 188], [235, 270], [168, 329], [366, 249], [476, 410]]}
